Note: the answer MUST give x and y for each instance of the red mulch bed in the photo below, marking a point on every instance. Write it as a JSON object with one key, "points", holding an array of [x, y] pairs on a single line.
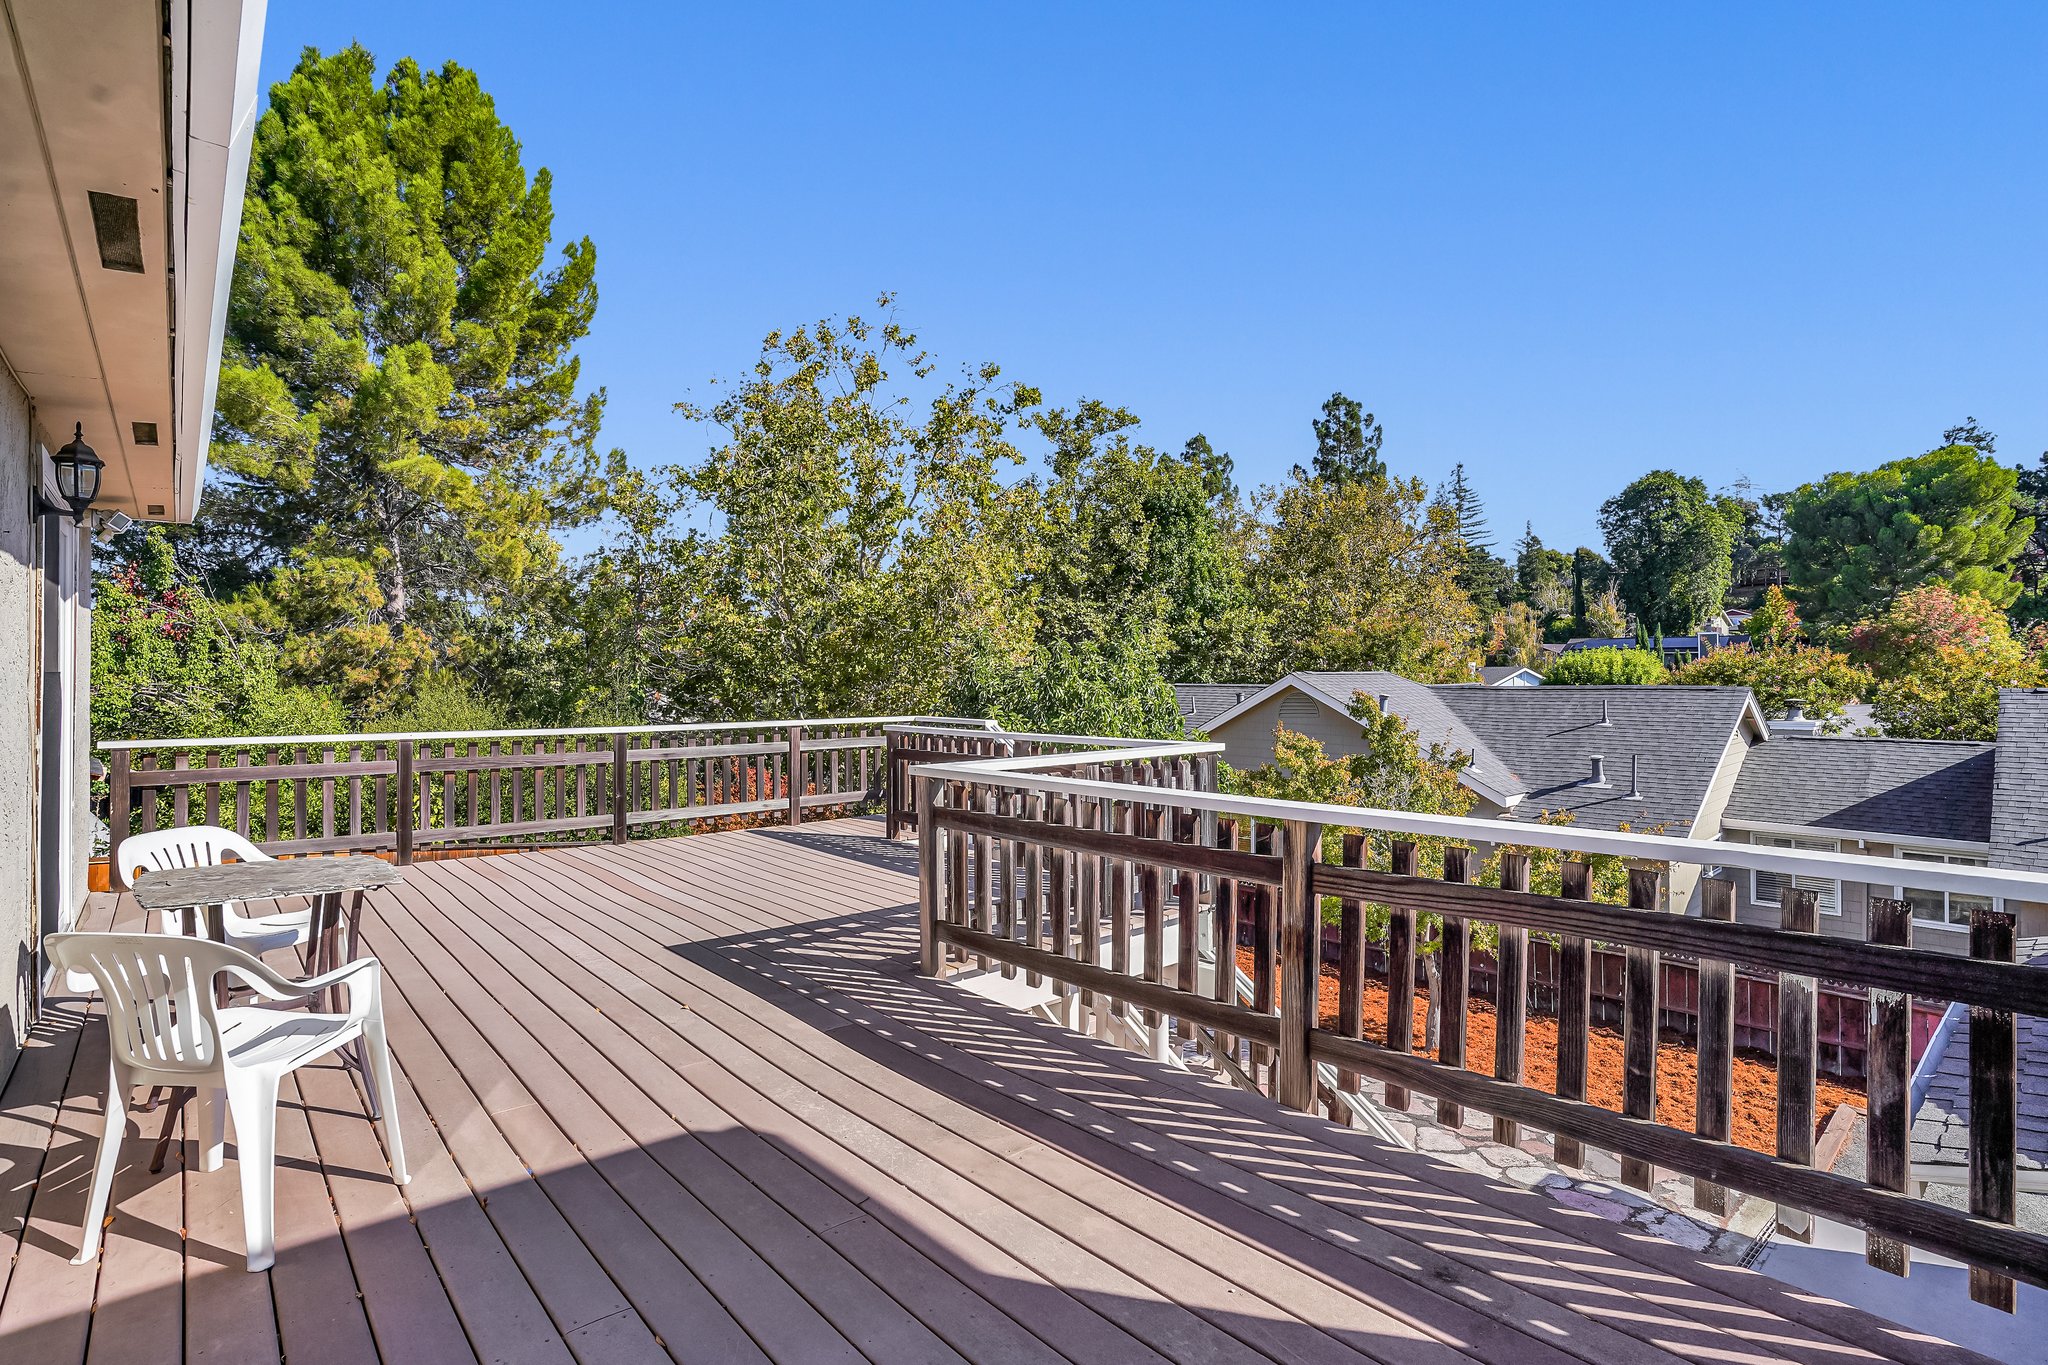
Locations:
{"points": [[1756, 1080]]}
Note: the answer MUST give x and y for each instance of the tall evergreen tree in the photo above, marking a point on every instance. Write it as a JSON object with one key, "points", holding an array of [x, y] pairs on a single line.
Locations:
{"points": [[1347, 444], [399, 395], [1670, 542], [1468, 509]]}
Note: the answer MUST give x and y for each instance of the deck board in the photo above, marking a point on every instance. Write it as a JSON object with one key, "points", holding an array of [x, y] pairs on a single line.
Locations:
{"points": [[686, 1099]]}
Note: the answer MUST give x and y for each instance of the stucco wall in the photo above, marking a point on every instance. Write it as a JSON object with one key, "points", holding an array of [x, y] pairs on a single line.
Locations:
{"points": [[20, 688]]}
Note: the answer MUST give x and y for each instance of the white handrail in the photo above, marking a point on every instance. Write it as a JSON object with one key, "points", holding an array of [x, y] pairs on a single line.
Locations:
{"points": [[1017, 774], [394, 736]]}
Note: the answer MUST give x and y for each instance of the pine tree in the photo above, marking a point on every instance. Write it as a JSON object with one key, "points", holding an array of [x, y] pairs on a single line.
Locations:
{"points": [[1347, 444], [1465, 505]]}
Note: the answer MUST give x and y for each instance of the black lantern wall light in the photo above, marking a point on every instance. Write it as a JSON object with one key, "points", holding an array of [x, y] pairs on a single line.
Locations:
{"points": [[78, 468]]}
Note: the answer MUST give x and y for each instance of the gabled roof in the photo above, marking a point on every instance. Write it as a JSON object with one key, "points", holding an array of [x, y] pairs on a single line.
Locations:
{"points": [[2019, 801], [1912, 788], [1509, 675], [1200, 701], [1670, 740], [1532, 747]]}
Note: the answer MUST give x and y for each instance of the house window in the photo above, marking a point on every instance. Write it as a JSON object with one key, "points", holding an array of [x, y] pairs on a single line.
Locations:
{"points": [[1941, 909], [1766, 888]]}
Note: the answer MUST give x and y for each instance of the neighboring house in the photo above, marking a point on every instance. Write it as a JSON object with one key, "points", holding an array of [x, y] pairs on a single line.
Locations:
{"points": [[1917, 800], [1199, 701], [1678, 649], [1510, 675], [1940, 1151], [1651, 759], [1702, 762], [121, 175]]}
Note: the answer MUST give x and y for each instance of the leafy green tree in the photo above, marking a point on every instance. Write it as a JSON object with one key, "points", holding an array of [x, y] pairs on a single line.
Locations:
{"points": [[1603, 667], [1592, 579], [1775, 622], [1543, 577], [1361, 576], [1858, 541], [1347, 444], [1940, 657], [864, 552], [1112, 688], [1822, 680], [169, 663], [398, 388], [1516, 637], [1670, 545]]}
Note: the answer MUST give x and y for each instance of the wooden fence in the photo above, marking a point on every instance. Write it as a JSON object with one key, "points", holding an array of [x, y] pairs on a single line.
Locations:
{"points": [[1079, 873], [395, 793]]}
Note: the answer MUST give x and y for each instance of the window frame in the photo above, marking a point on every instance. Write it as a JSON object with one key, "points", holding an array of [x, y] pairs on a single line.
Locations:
{"points": [[1946, 858], [1795, 843]]}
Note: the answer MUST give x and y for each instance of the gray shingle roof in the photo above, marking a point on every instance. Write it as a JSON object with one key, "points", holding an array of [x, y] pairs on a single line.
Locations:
{"points": [[1941, 1122], [1422, 708], [1547, 737], [1199, 701], [2019, 802], [1932, 789]]}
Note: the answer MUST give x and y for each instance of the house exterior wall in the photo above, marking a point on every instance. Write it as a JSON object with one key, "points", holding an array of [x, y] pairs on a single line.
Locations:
{"points": [[46, 830], [20, 697], [1248, 739], [1854, 919]]}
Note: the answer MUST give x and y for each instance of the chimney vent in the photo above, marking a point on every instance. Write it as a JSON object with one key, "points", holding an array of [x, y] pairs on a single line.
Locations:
{"points": [[1795, 709], [1599, 777]]}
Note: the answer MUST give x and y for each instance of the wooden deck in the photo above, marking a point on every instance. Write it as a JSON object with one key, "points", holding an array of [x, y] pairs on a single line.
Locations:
{"points": [[687, 1100]]}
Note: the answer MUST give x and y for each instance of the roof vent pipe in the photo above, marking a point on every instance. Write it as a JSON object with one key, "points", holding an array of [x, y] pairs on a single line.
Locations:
{"points": [[1383, 700], [1635, 774], [1795, 709], [1604, 720], [1599, 777]]}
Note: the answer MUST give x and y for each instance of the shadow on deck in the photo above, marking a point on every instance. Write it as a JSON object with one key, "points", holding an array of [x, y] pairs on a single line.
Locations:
{"points": [[687, 1099]]}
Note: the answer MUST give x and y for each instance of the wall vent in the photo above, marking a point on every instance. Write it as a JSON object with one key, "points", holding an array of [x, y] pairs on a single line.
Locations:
{"points": [[145, 433], [117, 223]]}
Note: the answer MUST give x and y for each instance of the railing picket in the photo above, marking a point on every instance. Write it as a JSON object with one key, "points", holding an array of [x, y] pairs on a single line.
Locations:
{"points": [[1994, 1105], [1088, 909], [1003, 901], [180, 794], [1265, 951], [1639, 1024], [1059, 892], [1152, 911], [1301, 938], [1510, 996], [956, 865], [1454, 958], [1714, 1078], [1401, 970], [1121, 817], [403, 790], [1351, 967], [1187, 948], [1799, 911], [1032, 901], [1574, 1007], [1223, 934], [1888, 1072]]}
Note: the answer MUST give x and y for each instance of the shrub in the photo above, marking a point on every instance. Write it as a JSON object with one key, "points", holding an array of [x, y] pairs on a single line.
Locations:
{"points": [[1593, 667]]}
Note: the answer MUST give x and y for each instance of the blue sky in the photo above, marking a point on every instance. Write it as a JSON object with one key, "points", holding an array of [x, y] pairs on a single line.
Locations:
{"points": [[1563, 247]]}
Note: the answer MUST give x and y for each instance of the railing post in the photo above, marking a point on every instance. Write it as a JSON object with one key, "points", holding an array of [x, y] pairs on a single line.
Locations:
{"points": [[1888, 1067], [892, 819], [622, 787], [1994, 1105], [928, 865], [796, 781], [120, 798], [1714, 1073], [1301, 943], [401, 803]]}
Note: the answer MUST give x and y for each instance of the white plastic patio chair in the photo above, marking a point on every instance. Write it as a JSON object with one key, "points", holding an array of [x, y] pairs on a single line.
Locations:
{"points": [[209, 846], [164, 1029]]}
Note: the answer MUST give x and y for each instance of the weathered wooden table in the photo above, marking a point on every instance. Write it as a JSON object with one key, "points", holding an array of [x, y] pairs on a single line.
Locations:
{"points": [[331, 941]]}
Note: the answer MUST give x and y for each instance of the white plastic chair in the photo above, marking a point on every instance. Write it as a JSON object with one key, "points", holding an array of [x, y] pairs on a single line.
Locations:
{"points": [[209, 846], [164, 1029]]}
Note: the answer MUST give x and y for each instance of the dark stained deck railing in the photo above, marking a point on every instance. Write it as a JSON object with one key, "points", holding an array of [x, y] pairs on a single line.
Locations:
{"points": [[400, 792], [1075, 866]]}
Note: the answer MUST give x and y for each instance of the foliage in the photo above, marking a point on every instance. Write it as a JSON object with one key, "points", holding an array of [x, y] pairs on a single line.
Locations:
{"points": [[1824, 680], [169, 663], [1670, 543], [1114, 688], [1775, 622], [1940, 658], [1516, 637], [1757, 550], [1363, 576], [1484, 576], [443, 700], [399, 416], [1543, 577], [1603, 618], [1602, 667], [1347, 444], [1858, 541]]}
